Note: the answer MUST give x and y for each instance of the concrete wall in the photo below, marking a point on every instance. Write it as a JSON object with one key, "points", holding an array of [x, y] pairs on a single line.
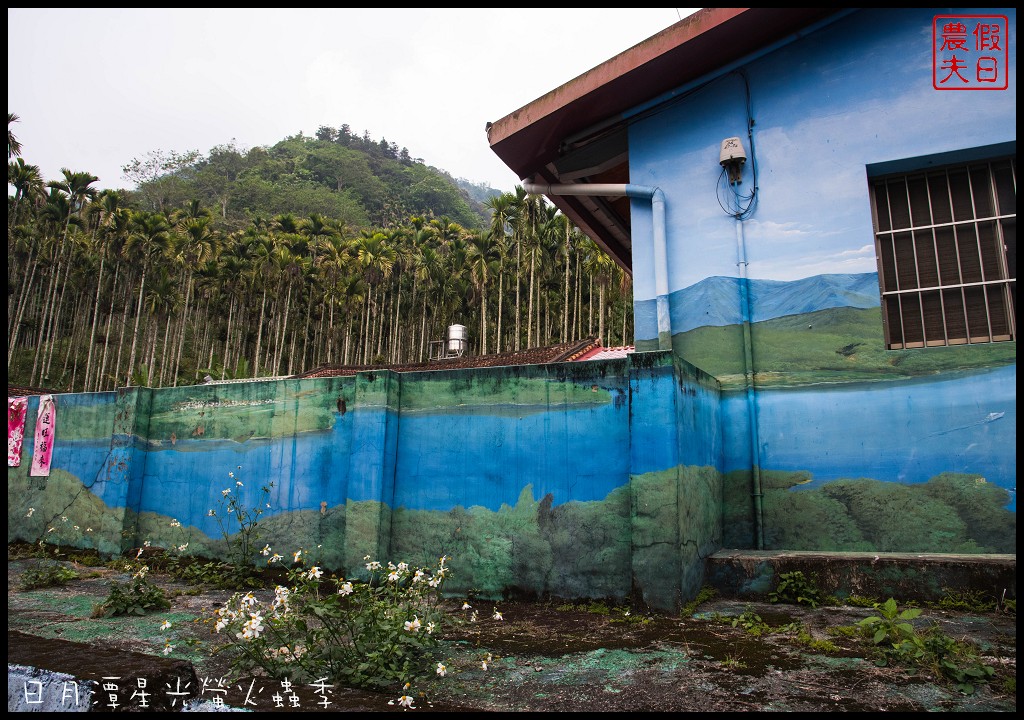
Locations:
{"points": [[595, 479], [831, 441]]}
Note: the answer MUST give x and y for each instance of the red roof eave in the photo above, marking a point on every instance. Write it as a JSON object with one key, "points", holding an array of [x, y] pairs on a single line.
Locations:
{"points": [[530, 137]]}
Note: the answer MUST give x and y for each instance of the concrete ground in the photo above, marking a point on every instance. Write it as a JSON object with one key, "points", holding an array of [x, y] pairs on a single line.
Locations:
{"points": [[729, 654]]}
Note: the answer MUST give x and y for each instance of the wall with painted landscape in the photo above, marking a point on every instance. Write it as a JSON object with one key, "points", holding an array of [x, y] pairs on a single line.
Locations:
{"points": [[849, 446], [595, 479]]}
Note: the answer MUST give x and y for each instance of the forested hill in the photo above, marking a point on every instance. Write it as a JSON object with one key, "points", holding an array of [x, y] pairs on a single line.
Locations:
{"points": [[276, 260], [351, 178]]}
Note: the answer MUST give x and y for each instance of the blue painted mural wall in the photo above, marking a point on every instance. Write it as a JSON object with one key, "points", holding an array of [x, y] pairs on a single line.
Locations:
{"points": [[528, 478], [853, 92]]}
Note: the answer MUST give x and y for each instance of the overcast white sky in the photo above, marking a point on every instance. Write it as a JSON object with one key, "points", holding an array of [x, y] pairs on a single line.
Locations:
{"points": [[95, 88]]}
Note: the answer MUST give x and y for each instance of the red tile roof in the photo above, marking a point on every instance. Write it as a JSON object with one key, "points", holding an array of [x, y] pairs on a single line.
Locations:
{"points": [[564, 352], [603, 353]]}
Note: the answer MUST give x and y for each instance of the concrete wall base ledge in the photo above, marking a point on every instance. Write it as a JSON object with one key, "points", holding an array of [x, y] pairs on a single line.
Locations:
{"points": [[921, 577]]}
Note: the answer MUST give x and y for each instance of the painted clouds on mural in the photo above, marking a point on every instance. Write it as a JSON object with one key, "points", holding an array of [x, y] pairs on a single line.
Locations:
{"points": [[817, 129]]}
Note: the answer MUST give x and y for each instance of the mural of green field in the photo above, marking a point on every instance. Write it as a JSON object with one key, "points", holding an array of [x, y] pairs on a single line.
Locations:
{"points": [[837, 345]]}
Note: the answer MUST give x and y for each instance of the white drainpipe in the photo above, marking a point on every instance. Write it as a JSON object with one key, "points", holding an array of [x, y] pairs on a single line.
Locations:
{"points": [[657, 199]]}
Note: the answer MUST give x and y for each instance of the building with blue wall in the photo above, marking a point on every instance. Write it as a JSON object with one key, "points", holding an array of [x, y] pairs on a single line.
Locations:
{"points": [[818, 208]]}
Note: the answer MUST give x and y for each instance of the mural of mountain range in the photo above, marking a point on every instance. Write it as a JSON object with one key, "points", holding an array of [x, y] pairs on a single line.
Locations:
{"points": [[715, 301]]}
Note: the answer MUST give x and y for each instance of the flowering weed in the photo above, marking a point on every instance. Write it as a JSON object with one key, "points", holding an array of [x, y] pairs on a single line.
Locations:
{"points": [[372, 634], [137, 597], [239, 520]]}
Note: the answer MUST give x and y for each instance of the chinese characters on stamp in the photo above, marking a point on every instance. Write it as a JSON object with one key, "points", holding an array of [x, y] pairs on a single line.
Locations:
{"points": [[970, 52]]}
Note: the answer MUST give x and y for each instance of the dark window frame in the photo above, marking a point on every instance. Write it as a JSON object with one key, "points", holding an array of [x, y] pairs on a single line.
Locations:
{"points": [[945, 245]]}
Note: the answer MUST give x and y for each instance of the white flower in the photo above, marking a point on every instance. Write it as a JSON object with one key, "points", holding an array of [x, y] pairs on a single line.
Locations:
{"points": [[394, 576], [88, 529], [441, 669], [252, 627], [165, 625], [168, 648], [406, 701], [472, 618], [315, 573], [412, 625], [265, 551], [225, 493], [175, 523], [281, 594], [483, 665], [63, 518], [345, 589], [430, 628], [442, 560], [247, 599], [76, 527], [145, 544], [275, 558], [231, 474], [418, 576], [497, 615], [181, 548], [434, 583], [296, 555], [466, 606], [30, 512], [238, 483], [212, 513], [402, 567], [371, 566]]}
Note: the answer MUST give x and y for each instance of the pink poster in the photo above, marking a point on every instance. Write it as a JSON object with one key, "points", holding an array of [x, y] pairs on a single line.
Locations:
{"points": [[46, 424], [17, 408]]}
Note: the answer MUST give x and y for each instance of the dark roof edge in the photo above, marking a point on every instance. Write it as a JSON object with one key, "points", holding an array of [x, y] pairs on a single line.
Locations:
{"points": [[563, 352]]}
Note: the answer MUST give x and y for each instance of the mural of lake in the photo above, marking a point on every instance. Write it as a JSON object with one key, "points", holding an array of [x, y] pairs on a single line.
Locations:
{"points": [[444, 459], [485, 456], [841, 433]]}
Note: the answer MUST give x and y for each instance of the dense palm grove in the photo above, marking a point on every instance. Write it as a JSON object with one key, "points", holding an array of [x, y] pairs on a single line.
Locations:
{"points": [[111, 288]]}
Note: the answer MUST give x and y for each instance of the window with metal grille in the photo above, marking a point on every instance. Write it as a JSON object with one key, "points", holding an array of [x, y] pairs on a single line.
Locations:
{"points": [[946, 243]]}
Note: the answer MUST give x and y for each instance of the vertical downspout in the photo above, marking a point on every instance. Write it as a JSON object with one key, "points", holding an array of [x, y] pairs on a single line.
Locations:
{"points": [[748, 378], [657, 199]]}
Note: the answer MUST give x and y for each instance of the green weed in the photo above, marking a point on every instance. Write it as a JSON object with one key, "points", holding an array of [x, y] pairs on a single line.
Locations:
{"points": [[47, 575], [899, 642], [138, 597], [706, 593], [795, 589]]}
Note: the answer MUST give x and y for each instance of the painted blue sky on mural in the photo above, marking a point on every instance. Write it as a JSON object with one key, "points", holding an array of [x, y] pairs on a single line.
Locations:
{"points": [[817, 127]]}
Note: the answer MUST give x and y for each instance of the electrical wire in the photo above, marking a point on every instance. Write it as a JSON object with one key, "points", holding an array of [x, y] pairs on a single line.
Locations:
{"points": [[735, 204], [741, 206]]}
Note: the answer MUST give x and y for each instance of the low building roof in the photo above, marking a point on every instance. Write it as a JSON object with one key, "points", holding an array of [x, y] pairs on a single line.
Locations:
{"points": [[563, 352], [20, 391]]}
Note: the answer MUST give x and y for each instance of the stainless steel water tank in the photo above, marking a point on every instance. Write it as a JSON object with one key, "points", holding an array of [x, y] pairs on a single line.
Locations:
{"points": [[456, 339]]}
